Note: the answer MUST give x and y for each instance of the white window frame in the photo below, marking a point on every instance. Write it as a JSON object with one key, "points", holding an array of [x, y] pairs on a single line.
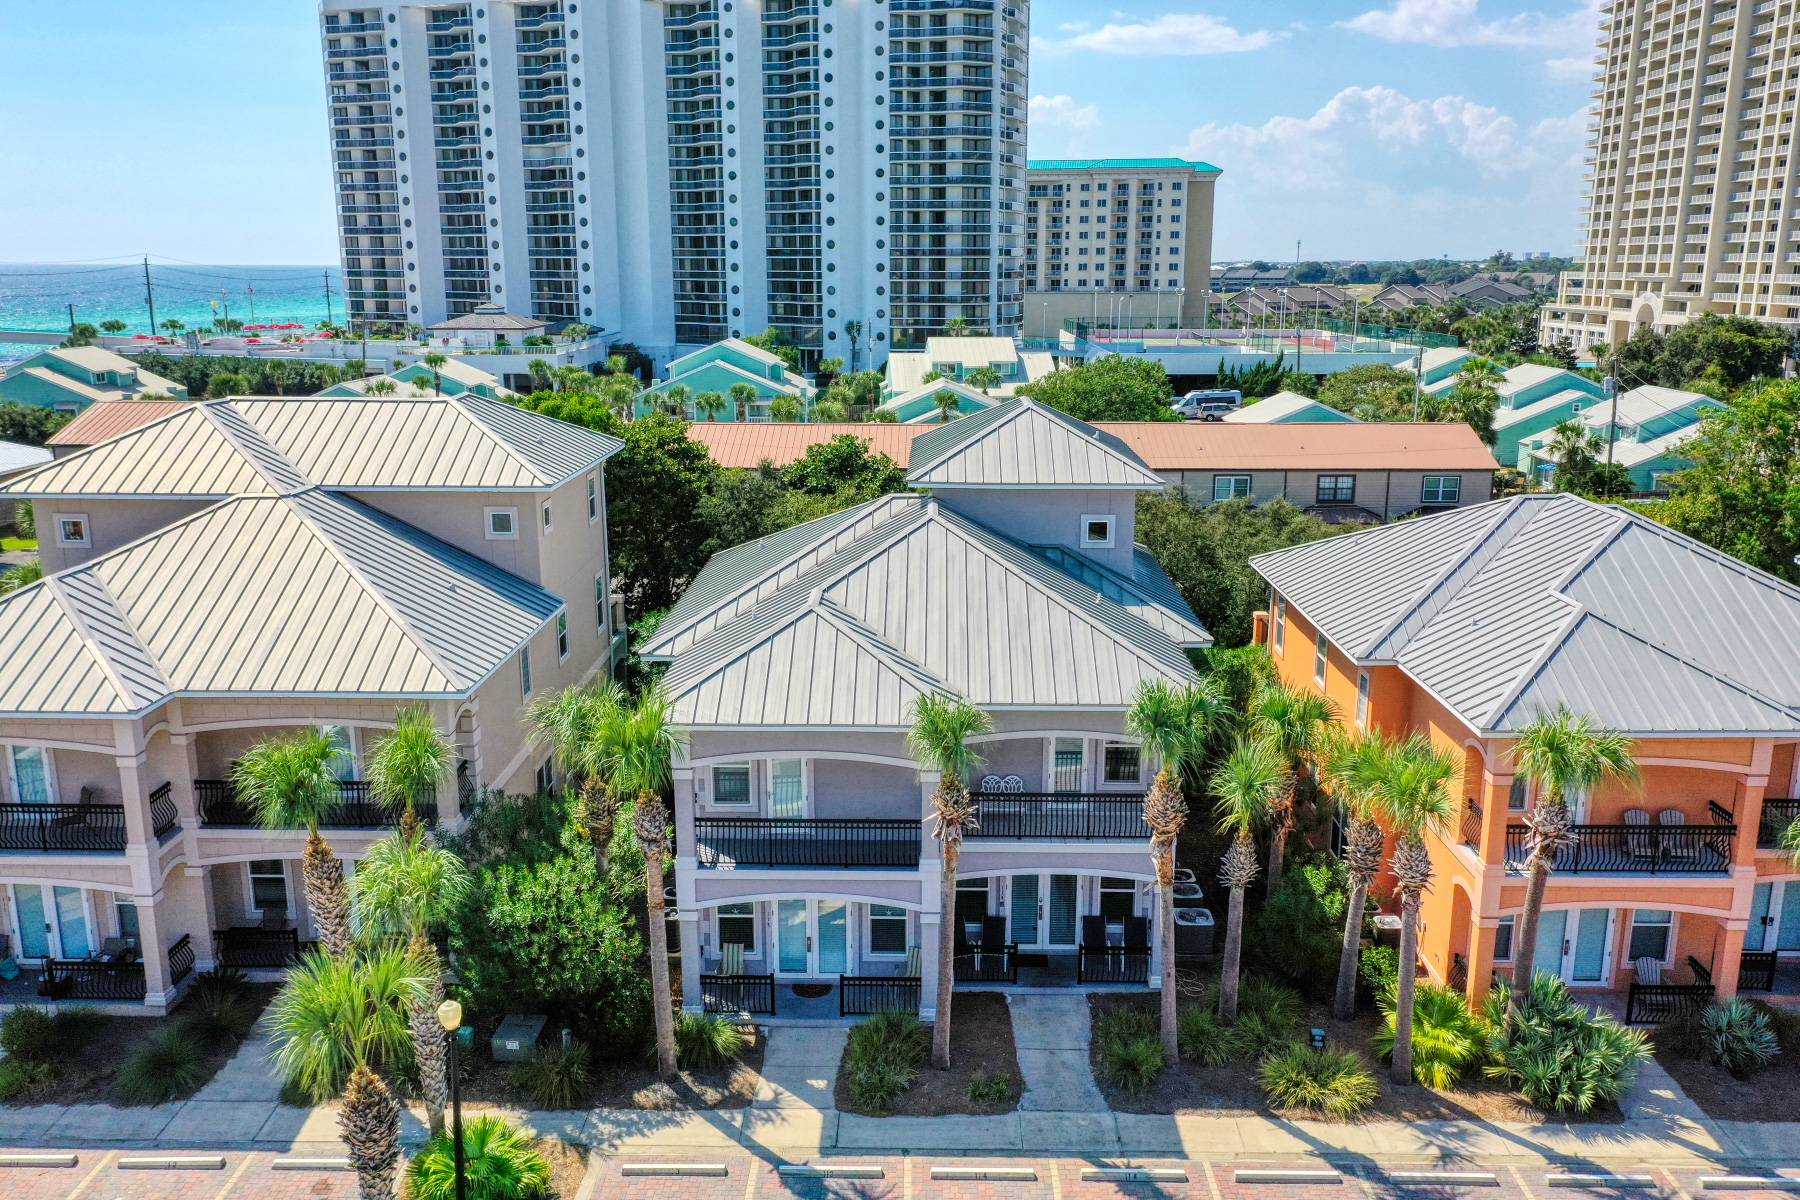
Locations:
{"points": [[602, 606], [548, 523], [525, 671], [63, 519], [1121, 783], [512, 520], [1455, 482], [12, 772], [1280, 624], [1362, 699], [1231, 492], [1321, 659], [287, 885], [1088, 520], [749, 801], [758, 934], [562, 637], [869, 919], [593, 499], [1668, 954]]}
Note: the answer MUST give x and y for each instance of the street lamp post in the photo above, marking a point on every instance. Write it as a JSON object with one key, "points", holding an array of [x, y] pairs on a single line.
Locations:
{"points": [[449, 1015]]}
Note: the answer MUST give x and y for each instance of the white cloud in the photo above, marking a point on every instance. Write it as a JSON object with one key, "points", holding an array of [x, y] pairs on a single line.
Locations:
{"points": [[1060, 112], [1448, 23], [1171, 33]]}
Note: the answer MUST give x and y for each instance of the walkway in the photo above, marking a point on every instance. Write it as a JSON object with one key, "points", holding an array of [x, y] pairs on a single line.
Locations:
{"points": [[1051, 1034]]}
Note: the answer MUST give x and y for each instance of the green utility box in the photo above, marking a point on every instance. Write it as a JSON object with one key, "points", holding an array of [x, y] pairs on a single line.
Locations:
{"points": [[517, 1038]]}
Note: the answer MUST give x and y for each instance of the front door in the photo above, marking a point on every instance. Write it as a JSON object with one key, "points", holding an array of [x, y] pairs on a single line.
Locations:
{"points": [[1043, 910], [1552, 933], [72, 922], [1758, 930], [34, 920], [812, 937], [1574, 944], [1787, 936]]}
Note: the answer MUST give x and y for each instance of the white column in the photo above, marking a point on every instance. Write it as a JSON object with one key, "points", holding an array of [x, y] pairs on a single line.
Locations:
{"points": [[928, 964], [158, 994], [1156, 963], [691, 1001]]}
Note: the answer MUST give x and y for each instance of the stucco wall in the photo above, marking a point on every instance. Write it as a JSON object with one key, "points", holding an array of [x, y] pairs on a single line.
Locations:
{"points": [[111, 524], [1051, 518]]}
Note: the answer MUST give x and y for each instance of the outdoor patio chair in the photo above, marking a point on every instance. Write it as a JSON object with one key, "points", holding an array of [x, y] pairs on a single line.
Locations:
{"points": [[989, 783], [118, 949], [915, 963], [1649, 970], [1012, 783], [1639, 845], [731, 959], [84, 806], [1677, 847], [272, 918], [1093, 933], [993, 934], [1137, 932]]}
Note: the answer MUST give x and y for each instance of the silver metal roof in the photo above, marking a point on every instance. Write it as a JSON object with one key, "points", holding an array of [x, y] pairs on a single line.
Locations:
{"points": [[1024, 444], [1504, 610]]}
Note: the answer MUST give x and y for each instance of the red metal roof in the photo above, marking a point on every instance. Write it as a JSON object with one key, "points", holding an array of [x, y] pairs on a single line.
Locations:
{"points": [[107, 419]]}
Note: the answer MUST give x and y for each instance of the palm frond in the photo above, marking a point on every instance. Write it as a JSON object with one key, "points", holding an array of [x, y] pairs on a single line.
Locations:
{"points": [[1248, 784], [337, 1013], [640, 745], [288, 781], [408, 886], [411, 760], [1567, 753], [940, 732]]}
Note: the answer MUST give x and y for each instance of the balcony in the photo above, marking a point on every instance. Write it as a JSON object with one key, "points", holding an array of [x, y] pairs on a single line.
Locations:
{"points": [[1777, 815], [62, 828], [1084, 816], [1633, 850], [220, 808], [731, 842]]}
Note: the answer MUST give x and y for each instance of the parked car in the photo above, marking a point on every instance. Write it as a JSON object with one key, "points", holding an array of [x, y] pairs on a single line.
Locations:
{"points": [[1208, 406]]}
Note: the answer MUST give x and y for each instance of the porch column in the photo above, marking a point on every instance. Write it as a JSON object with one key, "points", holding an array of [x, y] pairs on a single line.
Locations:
{"points": [[1481, 958], [1496, 791], [181, 790], [448, 802], [158, 994], [1156, 942], [931, 885], [209, 913], [1731, 959], [929, 926], [691, 1001]]}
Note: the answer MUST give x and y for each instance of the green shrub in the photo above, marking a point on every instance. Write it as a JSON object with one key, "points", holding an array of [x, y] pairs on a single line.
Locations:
{"points": [[1784, 1024], [1203, 1037], [1447, 1035], [882, 1058], [1334, 1082], [220, 983], [168, 1065], [983, 1090], [21, 1078], [500, 1162], [1300, 934], [29, 1034], [1378, 970], [1558, 1054], [707, 1041], [1128, 1049], [559, 1077], [217, 1020], [1280, 1007], [1737, 1037]]}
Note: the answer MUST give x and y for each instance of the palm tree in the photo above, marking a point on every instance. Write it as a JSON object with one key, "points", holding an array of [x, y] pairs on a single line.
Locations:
{"points": [[113, 326], [641, 743], [1561, 753], [575, 722], [984, 378], [674, 399], [853, 330], [1576, 451], [1246, 786], [336, 1020], [709, 405], [1413, 794], [743, 395], [409, 762], [435, 363], [571, 378], [829, 409], [785, 408], [1170, 723], [407, 887], [939, 739], [173, 327], [541, 370], [947, 403], [1351, 770], [956, 327], [1296, 722], [380, 387], [289, 781]]}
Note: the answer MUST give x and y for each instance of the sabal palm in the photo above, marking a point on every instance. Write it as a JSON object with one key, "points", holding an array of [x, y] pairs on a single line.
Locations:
{"points": [[709, 405], [1171, 724], [1562, 753], [575, 723], [435, 362], [409, 762], [743, 395], [1297, 722], [1246, 787], [947, 403], [1351, 770], [407, 887], [1413, 793], [540, 370], [289, 781], [335, 1020], [674, 398], [939, 740], [640, 744]]}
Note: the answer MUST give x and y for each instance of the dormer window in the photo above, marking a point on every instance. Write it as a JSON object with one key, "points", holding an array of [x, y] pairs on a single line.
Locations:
{"points": [[1097, 531]]}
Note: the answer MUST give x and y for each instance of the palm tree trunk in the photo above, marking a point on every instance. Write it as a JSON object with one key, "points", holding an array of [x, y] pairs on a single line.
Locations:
{"points": [[1234, 948], [1165, 937], [428, 1034], [1537, 879], [599, 816], [326, 895], [651, 814], [1284, 822], [1403, 1003], [370, 1123], [1343, 1005], [946, 980]]}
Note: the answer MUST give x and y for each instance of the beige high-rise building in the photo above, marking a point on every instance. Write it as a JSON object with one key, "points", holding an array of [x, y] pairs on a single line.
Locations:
{"points": [[1117, 242], [1689, 200]]}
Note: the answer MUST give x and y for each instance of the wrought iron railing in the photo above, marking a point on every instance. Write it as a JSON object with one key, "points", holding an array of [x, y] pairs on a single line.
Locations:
{"points": [[1756, 972], [356, 808], [799, 842], [738, 993], [1633, 850], [1458, 978], [63, 828], [254, 947], [1777, 815], [976, 965], [163, 815], [1112, 964], [181, 959], [91, 979], [1659, 1003], [1058, 815], [860, 995], [1471, 824]]}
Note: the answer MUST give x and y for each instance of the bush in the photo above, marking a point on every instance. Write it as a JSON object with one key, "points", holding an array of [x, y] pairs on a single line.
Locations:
{"points": [[21, 1078], [1203, 1037], [29, 1035], [217, 1019], [983, 1090], [73, 1028], [1737, 1037], [1334, 1082], [1378, 970], [1558, 1054], [1300, 934], [1128, 1050], [500, 1162], [559, 1077], [1269, 1017], [1447, 1035], [1784, 1024], [882, 1058], [220, 983], [706, 1041], [168, 1065]]}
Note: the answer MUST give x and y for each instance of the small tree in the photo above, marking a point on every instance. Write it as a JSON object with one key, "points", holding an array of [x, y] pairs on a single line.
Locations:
{"points": [[541, 373], [853, 331], [113, 326], [785, 408], [743, 395], [709, 405], [410, 761], [576, 723], [380, 387], [984, 378], [1296, 722], [674, 399], [288, 781], [1246, 786], [947, 403]]}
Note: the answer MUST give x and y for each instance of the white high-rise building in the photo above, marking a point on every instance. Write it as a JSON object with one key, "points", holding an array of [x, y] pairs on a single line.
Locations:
{"points": [[1690, 204], [713, 167]]}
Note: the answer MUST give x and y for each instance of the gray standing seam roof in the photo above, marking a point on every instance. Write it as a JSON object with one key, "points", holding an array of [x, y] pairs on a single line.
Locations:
{"points": [[1505, 610], [1024, 444]]}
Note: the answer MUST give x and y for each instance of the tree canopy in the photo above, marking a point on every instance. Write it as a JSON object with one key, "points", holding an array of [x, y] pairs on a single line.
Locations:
{"points": [[1111, 388], [29, 424], [1741, 348], [1375, 392], [843, 462], [257, 376]]}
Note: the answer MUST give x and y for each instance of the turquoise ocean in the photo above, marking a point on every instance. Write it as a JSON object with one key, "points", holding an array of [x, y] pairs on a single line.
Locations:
{"points": [[37, 296]]}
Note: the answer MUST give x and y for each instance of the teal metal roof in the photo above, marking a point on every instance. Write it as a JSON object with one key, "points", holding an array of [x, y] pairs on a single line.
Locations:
{"points": [[1114, 164]]}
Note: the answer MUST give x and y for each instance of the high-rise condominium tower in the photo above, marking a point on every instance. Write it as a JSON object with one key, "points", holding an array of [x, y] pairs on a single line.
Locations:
{"points": [[1690, 199], [681, 172]]}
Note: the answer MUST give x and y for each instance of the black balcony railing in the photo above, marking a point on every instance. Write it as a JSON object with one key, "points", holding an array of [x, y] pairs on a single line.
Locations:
{"points": [[727, 994], [356, 808], [181, 959], [1471, 824], [63, 828], [163, 816], [860, 995], [1112, 964], [1756, 972], [977, 964], [797, 842], [1777, 815], [1058, 815], [91, 979], [253, 946], [1633, 850]]}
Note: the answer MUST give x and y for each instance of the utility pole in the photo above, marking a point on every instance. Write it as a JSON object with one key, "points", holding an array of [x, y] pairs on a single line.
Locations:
{"points": [[328, 320], [1610, 386], [71, 319], [149, 295]]}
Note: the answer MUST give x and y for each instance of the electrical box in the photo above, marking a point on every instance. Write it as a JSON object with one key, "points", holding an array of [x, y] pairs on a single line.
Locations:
{"points": [[517, 1038]]}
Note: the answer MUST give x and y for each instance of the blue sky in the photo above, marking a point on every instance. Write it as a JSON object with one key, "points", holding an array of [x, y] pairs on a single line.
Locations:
{"points": [[1405, 128]]}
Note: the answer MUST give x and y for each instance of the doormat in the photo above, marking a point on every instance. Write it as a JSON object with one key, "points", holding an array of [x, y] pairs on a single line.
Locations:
{"points": [[1034, 960], [812, 991]]}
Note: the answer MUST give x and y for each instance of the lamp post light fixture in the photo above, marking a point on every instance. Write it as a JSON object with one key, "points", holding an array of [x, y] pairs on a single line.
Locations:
{"points": [[449, 1015]]}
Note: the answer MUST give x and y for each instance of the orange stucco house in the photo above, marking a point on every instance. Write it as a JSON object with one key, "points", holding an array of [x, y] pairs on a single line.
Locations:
{"points": [[1468, 625]]}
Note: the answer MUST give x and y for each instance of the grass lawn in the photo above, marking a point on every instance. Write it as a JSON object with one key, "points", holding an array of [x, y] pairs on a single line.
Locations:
{"points": [[11, 543]]}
